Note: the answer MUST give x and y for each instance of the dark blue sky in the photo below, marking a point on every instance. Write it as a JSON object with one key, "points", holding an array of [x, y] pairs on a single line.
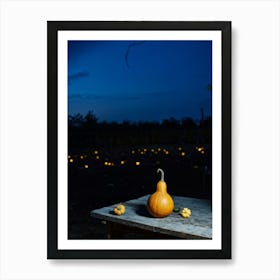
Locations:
{"points": [[140, 80]]}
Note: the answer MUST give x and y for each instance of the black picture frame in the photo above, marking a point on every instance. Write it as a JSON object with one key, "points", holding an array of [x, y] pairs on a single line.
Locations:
{"points": [[53, 27]]}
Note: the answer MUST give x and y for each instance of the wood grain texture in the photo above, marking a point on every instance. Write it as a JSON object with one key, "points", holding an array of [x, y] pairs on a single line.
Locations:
{"points": [[199, 225]]}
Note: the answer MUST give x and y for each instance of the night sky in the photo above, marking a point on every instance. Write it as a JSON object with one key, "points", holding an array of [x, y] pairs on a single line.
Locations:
{"points": [[140, 80]]}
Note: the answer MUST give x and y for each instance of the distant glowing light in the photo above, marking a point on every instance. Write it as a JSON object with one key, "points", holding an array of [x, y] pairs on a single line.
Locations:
{"points": [[133, 152], [152, 150], [166, 152], [200, 149], [159, 149], [122, 162], [145, 150], [142, 153], [137, 163], [180, 148], [86, 166], [81, 157], [97, 157], [183, 154], [71, 160], [106, 163], [95, 152], [69, 156]]}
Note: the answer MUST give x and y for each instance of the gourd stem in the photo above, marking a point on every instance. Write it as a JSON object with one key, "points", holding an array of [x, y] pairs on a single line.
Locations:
{"points": [[162, 174]]}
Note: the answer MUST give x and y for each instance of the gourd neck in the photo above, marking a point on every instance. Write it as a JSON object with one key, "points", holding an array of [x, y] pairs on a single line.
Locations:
{"points": [[162, 174], [161, 185]]}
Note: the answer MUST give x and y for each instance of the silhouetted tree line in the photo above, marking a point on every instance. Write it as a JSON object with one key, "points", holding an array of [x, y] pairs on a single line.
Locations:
{"points": [[87, 131]]}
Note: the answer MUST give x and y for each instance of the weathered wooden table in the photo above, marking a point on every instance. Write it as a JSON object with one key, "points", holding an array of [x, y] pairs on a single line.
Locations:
{"points": [[137, 218]]}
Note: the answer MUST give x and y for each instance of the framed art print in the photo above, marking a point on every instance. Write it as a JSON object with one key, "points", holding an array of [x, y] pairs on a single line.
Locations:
{"points": [[139, 140]]}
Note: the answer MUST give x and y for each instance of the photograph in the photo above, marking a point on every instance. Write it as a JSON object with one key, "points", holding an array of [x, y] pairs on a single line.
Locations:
{"points": [[139, 113]]}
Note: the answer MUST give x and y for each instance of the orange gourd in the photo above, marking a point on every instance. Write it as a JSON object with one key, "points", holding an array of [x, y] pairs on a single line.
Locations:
{"points": [[160, 204]]}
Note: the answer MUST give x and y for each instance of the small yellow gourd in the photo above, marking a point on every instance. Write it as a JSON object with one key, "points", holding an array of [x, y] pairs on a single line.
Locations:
{"points": [[186, 213], [160, 204], [119, 209]]}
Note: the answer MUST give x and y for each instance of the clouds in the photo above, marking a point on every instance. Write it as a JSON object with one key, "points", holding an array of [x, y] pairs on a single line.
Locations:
{"points": [[111, 97], [75, 96], [77, 76], [123, 97]]}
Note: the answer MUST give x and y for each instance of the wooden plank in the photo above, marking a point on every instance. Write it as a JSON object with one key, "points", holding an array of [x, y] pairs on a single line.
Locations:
{"points": [[136, 215], [120, 231]]}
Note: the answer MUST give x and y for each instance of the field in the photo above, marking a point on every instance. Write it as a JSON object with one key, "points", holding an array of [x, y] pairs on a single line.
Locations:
{"points": [[102, 176]]}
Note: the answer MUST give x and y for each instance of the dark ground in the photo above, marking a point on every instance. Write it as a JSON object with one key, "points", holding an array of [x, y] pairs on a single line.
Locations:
{"points": [[101, 185]]}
